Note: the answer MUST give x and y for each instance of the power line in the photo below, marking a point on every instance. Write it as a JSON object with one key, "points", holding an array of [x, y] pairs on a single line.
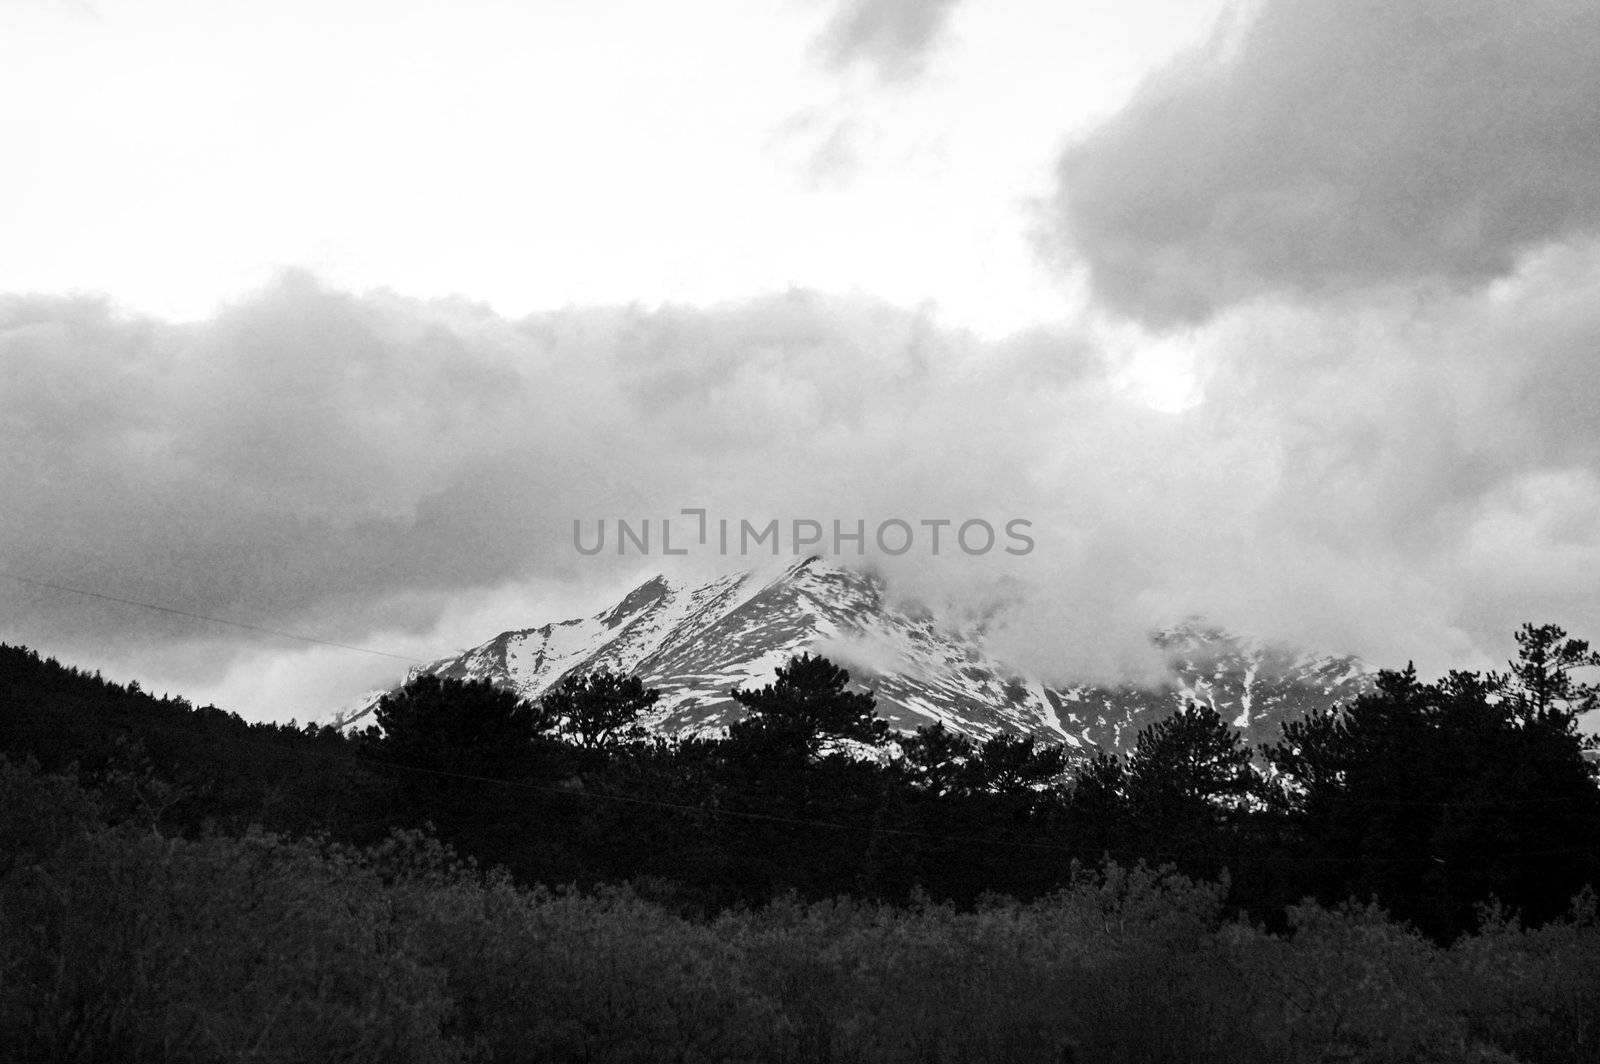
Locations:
{"points": [[204, 617]]}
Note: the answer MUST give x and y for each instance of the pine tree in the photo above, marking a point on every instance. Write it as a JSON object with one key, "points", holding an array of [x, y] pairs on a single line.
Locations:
{"points": [[1188, 783], [1017, 765], [455, 725], [935, 758], [1192, 761], [807, 708], [1437, 797], [1541, 682], [601, 709]]}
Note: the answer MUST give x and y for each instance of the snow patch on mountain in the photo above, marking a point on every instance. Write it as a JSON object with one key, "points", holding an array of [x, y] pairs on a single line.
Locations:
{"points": [[696, 643]]}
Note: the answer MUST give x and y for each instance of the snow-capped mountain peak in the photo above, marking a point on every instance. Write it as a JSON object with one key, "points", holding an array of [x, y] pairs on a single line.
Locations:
{"points": [[696, 643]]}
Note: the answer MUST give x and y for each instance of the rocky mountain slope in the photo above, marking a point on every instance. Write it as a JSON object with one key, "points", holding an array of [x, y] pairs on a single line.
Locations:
{"points": [[698, 642]]}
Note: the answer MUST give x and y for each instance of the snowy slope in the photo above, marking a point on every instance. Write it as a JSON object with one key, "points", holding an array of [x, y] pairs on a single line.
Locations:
{"points": [[698, 642]]}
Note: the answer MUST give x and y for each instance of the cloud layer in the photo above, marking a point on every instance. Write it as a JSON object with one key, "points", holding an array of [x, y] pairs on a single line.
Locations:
{"points": [[1370, 226], [1316, 150], [366, 468]]}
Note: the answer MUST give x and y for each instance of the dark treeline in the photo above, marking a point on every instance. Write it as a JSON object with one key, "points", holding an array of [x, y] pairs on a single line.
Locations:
{"points": [[476, 876], [1432, 798]]}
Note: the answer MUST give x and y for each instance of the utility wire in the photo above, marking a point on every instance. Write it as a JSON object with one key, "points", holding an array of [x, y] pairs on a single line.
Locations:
{"points": [[203, 617]]}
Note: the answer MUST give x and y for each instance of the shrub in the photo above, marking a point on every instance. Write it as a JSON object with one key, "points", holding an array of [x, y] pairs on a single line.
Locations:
{"points": [[1533, 992], [126, 946]]}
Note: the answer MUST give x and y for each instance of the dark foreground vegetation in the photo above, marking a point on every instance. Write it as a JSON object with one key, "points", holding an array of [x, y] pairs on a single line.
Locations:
{"points": [[484, 878]]}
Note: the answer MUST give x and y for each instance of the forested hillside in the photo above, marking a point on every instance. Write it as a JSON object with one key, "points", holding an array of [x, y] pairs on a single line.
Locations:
{"points": [[179, 884]]}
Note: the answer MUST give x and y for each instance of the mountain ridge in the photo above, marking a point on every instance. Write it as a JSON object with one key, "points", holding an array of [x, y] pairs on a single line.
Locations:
{"points": [[697, 642]]}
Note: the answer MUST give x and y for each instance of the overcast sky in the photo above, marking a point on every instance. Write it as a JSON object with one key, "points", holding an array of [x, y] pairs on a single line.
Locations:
{"points": [[332, 317]]}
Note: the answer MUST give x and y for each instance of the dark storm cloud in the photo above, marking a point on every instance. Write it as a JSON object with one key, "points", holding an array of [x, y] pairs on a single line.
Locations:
{"points": [[336, 464], [300, 447], [892, 36], [1334, 146]]}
